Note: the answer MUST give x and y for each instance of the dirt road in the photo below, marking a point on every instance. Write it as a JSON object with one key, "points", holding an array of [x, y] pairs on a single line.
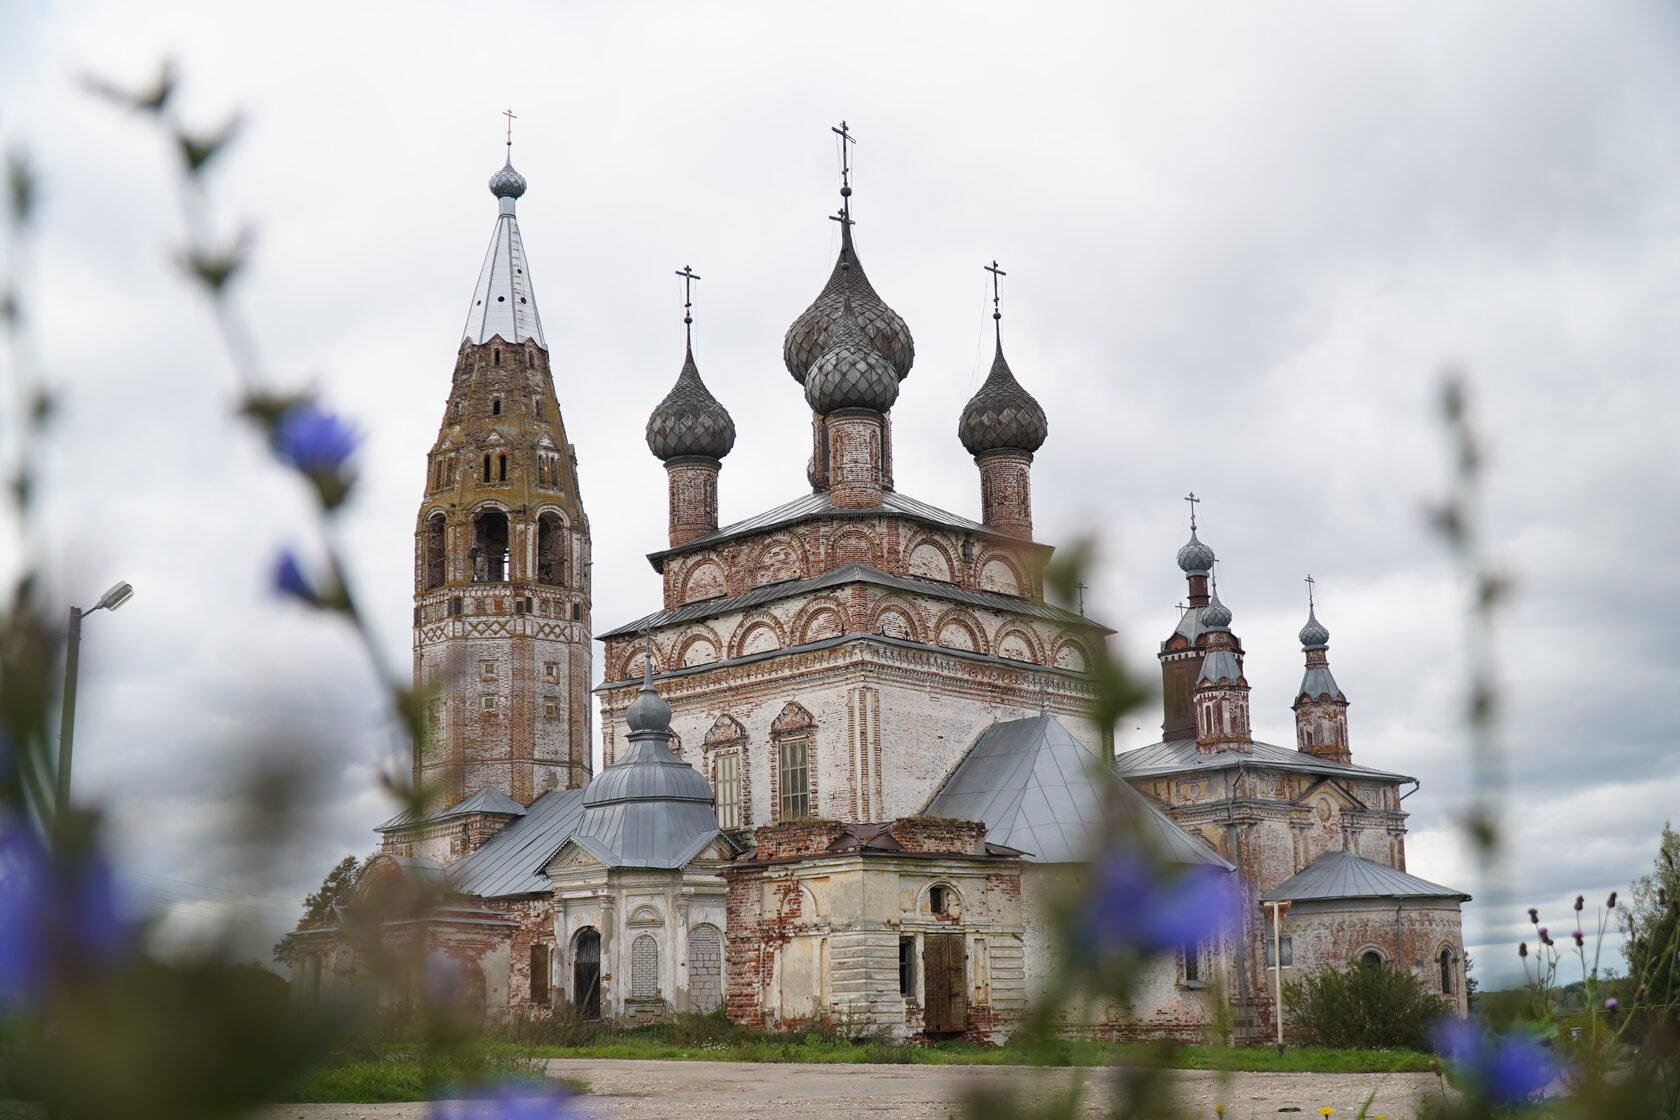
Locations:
{"points": [[637, 1090]]}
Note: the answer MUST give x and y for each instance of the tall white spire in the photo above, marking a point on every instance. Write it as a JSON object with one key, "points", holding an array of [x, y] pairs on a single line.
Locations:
{"points": [[503, 302]]}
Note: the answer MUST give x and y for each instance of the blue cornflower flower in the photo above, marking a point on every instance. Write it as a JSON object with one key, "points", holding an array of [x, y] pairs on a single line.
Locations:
{"points": [[289, 579], [1140, 905], [1503, 1071], [53, 912], [315, 441], [511, 1101]]}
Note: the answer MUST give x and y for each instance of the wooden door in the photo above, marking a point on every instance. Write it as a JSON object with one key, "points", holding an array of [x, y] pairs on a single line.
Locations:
{"points": [[944, 983], [586, 974]]}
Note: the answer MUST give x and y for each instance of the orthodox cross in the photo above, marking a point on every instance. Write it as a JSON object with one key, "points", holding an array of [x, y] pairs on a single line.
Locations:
{"points": [[1310, 582], [647, 654], [1192, 499], [1081, 587], [689, 277], [846, 140], [508, 113], [997, 311]]}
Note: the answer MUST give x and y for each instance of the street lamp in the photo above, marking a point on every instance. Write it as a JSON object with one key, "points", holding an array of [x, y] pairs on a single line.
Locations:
{"points": [[119, 594]]}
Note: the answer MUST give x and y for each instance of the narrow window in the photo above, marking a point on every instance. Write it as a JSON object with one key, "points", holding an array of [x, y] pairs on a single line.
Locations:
{"points": [[551, 550], [551, 707], [537, 407], [457, 411], [796, 793], [501, 468], [1288, 952], [542, 471], [1371, 959], [539, 973], [487, 468], [496, 358], [939, 900], [486, 670], [577, 611], [435, 560], [728, 788], [454, 604], [907, 966], [1192, 962], [496, 406], [551, 672], [1446, 972]]}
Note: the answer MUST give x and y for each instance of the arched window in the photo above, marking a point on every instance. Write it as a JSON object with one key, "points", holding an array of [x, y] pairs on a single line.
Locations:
{"points": [[586, 973], [490, 547], [1371, 959], [496, 359], [551, 550], [644, 968], [487, 467], [1446, 972], [539, 973], [434, 576], [501, 468], [496, 402]]}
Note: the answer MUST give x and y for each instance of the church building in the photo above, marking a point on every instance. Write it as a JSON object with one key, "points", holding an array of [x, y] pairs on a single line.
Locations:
{"points": [[851, 754]]}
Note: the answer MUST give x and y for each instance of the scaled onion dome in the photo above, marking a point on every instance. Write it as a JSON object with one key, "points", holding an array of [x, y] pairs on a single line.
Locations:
{"points": [[850, 372], [690, 421], [808, 337], [1216, 615], [507, 183], [1195, 558], [1002, 414], [1313, 634]]}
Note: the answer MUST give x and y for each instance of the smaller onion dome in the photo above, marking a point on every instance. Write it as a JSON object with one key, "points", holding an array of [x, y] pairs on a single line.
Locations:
{"points": [[850, 372], [690, 421], [648, 711], [808, 336], [1313, 634], [507, 183], [1002, 414], [1216, 615], [1195, 558]]}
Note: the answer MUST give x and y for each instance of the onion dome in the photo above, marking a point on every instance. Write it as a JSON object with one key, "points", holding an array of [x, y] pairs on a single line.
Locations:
{"points": [[507, 183], [850, 372], [1313, 634], [690, 421], [808, 337], [1002, 414], [1195, 558], [1216, 615], [648, 711]]}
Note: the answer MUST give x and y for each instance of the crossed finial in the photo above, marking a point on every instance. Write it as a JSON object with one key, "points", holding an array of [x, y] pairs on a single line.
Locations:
{"points": [[689, 277], [1192, 499], [1310, 582], [846, 140], [508, 113], [1081, 587], [997, 310]]}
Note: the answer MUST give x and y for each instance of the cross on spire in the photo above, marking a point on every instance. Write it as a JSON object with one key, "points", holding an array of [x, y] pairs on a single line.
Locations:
{"points": [[508, 113], [1192, 499], [1310, 581], [689, 277], [846, 141], [997, 310]]}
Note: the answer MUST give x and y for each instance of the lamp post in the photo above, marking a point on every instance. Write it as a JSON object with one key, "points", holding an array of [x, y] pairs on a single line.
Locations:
{"points": [[119, 594]]}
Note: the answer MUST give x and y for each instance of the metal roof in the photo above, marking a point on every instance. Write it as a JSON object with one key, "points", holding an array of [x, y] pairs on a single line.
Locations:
{"points": [[851, 573], [818, 505], [1037, 789], [1177, 756], [486, 800], [1317, 681], [511, 862], [1345, 875], [503, 301]]}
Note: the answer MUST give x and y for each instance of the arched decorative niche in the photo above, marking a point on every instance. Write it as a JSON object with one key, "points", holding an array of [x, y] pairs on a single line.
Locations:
{"points": [[704, 580], [854, 546], [819, 620], [958, 630], [1000, 575], [1071, 655], [759, 632], [698, 647], [928, 559], [781, 557], [1016, 644]]}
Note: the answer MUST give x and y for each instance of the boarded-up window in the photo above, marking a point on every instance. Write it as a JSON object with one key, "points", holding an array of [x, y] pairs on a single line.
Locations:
{"points": [[644, 968], [728, 789], [795, 779]]}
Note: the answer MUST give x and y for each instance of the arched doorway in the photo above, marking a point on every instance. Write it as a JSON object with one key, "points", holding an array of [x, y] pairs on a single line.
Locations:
{"points": [[586, 973]]}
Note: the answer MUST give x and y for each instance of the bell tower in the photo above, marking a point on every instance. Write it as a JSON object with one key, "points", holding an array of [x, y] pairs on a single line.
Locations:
{"points": [[501, 555]]}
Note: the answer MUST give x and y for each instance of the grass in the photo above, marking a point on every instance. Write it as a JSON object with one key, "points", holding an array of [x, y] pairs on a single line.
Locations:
{"points": [[713, 1038], [396, 1075]]}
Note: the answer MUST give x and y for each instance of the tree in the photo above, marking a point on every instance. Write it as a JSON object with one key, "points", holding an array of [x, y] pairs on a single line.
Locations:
{"points": [[1651, 920], [318, 906], [1362, 1007]]}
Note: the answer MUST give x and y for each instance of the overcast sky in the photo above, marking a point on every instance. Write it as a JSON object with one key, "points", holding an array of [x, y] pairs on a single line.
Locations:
{"points": [[1242, 241]]}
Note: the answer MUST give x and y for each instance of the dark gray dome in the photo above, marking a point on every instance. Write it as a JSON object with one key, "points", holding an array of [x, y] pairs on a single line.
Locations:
{"points": [[690, 421], [808, 337], [648, 711], [850, 372], [1195, 557], [1313, 634], [507, 183], [1002, 414]]}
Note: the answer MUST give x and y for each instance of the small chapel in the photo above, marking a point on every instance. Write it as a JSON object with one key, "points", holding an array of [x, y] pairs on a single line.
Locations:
{"points": [[851, 754]]}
